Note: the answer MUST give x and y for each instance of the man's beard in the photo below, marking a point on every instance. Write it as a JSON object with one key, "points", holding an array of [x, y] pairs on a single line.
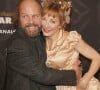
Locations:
{"points": [[30, 32]]}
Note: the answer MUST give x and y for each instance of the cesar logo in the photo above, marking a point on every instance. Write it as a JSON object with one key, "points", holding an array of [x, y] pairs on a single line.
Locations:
{"points": [[5, 20]]}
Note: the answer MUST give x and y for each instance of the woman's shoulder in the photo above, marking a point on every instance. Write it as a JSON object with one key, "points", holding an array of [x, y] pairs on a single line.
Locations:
{"points": [[72, 38], [74, 35]]}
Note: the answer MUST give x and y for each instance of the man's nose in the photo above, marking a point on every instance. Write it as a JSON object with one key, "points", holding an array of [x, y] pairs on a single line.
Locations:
{"points": [[31, 20]]}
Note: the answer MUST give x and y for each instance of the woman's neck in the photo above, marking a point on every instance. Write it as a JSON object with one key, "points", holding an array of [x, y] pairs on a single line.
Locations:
{"points": [[51, 42]]}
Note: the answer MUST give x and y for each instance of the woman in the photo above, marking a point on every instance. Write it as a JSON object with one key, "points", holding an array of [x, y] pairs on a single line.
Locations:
{"points": [[63, 47]]}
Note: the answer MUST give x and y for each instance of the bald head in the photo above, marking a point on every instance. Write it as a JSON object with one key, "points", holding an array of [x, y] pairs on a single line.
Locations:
{"points": [[28, 4], [30, 16]]}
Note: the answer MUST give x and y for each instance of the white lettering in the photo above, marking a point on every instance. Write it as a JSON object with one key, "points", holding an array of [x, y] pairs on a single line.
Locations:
{"points": [[2, 20], [8, 20], [7, 31], [5, 20]]}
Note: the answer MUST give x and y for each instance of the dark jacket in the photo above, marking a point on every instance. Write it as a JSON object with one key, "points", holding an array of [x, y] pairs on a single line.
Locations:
{"points": [[26, 69]]}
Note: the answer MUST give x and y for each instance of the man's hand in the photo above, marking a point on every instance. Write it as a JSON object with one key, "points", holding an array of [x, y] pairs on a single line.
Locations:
{"points": [[78, 68]]}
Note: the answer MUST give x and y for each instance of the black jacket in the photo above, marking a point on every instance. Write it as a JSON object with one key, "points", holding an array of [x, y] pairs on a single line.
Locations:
{"points": [[26, 69]]}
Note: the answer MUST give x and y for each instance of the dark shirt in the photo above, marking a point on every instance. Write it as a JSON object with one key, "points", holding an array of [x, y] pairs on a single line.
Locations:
{"points": [[26, 69]]}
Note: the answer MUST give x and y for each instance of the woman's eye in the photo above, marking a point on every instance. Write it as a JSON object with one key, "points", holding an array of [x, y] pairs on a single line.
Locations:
{"points": [[52, 21]]}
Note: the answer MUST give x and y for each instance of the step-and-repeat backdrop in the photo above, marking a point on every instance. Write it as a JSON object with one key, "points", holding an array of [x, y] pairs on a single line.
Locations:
{"points": [[7, 8], [85, 19]]}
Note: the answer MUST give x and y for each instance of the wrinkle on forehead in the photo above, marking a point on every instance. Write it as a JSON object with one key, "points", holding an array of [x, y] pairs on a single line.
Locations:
{"points": [[29, 6]]}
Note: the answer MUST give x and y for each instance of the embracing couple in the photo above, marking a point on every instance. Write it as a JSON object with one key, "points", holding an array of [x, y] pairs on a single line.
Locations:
{"points": [[48, 60]]}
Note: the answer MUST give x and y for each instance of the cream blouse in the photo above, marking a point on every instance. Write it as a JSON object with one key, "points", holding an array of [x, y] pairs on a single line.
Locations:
{"points": [[64, 55]]}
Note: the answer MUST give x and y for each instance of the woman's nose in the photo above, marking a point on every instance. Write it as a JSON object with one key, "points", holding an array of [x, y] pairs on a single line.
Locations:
{"points": [[47, 25]]}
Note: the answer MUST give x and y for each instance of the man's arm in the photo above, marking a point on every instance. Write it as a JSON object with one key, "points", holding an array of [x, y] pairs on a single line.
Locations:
{"points": [[21, 60]]}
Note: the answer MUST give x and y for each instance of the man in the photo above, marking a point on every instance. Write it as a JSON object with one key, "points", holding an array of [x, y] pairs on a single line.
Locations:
{"points": [[26, 54]]}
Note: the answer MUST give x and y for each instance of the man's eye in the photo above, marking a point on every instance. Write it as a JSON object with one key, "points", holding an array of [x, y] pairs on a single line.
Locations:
{"points": [[25, 16], [36, 16]]}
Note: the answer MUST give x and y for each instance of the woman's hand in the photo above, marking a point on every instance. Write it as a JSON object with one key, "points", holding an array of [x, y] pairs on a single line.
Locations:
{"points": [[81, 85], [83, 82]]}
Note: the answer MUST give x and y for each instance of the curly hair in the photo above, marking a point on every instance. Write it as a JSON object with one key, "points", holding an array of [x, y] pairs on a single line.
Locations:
{"points": [[57, 8]]}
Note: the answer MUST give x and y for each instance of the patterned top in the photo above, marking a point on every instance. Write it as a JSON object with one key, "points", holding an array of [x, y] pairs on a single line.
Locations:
{"points": [[64, 54]]}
